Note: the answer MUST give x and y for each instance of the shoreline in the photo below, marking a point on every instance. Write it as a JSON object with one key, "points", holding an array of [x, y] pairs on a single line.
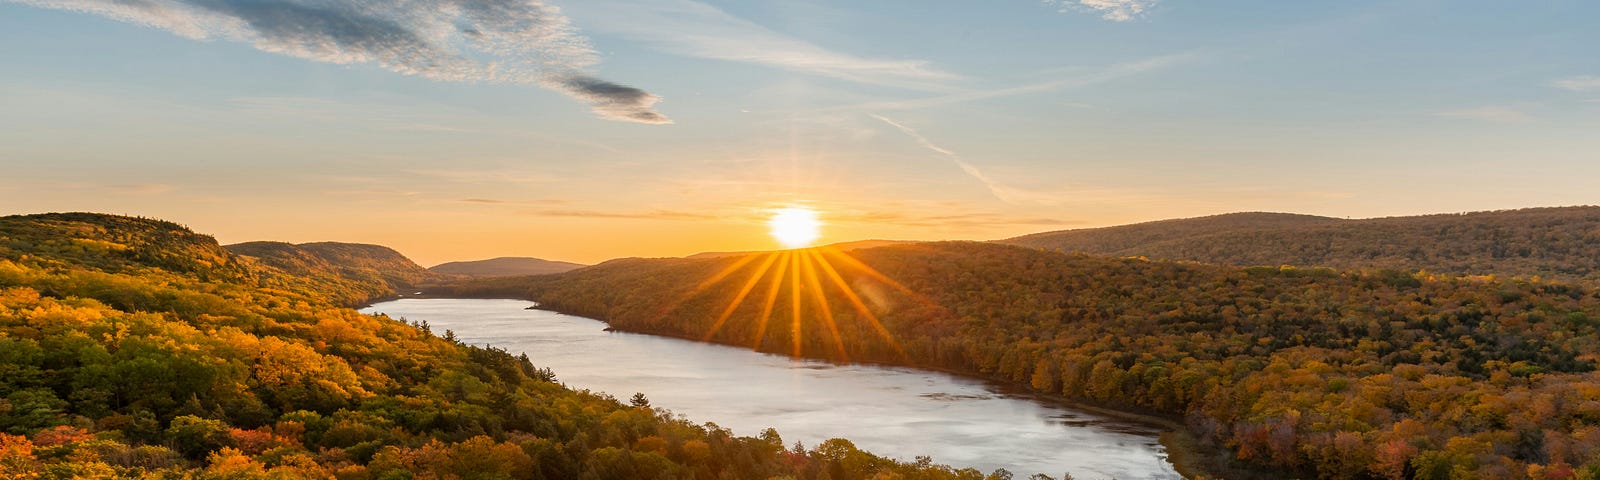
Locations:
{"points": [[1187, 455]]}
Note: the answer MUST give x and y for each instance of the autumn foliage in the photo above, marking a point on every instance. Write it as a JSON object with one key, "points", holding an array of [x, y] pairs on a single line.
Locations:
{"points": [[1556, 243], [1366, 373], [133, 348]]}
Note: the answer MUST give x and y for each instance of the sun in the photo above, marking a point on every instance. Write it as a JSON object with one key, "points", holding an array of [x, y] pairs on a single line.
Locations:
{"points": [[795, 227]]}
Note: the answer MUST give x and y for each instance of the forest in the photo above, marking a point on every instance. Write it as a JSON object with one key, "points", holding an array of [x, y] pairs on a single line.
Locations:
{"points": [[135, 348], [1367, 373], [351, 273], [1555, 243]]}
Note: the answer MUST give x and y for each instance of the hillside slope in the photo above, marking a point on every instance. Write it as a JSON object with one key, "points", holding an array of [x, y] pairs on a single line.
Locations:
{"points": [[362, 272], [1114, 240], [132, 348], [115, 244], [1354, 374], [505, 267], [1560, 243]]}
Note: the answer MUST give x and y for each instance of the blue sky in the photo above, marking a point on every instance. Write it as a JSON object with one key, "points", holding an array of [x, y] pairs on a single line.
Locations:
{"points": [[404, 123]]}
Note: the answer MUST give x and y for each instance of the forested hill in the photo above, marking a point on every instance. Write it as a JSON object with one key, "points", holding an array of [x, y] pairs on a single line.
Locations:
{"points": [[348, 274], [115, 244], [1333, 374], [133, 348], [366, 272], [1560, 243], [505, 267], [1123, 238]]}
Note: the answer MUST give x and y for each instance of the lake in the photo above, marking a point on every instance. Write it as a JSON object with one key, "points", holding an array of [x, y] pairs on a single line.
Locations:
{"points": [[891, 411]]}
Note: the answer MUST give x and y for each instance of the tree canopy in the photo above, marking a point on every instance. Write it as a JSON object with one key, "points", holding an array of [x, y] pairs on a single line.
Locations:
{"points": [[133, 348], [1368, 373]]}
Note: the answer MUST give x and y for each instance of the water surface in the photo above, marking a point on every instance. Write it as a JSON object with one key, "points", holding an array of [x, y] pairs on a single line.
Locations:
{"points": [[891, 411]]}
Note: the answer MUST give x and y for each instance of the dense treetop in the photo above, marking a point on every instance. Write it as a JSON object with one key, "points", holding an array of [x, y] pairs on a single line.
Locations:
{"points": [[357, 272], [1369, 373], [1559, 243], [132, 348], [115, 244]]}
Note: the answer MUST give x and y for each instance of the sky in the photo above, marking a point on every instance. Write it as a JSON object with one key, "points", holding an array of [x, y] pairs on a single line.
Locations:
{"points": [[596, 129]]}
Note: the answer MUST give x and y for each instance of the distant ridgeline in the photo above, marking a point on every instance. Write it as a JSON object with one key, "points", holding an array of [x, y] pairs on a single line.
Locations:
{"points": [[135, 348], [505, 267], [1360, 373], [1556, 243], [353, 273]]}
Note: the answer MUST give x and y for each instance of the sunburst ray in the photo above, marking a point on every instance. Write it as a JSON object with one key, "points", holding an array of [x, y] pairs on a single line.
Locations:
{"points": [[874, 274], [809, 259], [744, 291], [807, 272], [703, 285], [794, 302], [860, 306], [771, 301]]}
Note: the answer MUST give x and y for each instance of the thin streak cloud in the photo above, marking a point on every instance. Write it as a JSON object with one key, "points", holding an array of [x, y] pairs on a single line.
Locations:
{"points": [[695, 29], [1581, 83], [496, 201], [524, 42], [1005, 193], [1106, 74], [142, 188], [653, 215], [378, 116], [1488, 114], [962, 220], [1113, 10]]}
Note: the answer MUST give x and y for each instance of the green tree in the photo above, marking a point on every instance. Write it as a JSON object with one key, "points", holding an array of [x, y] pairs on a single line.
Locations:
{"points": [[195, 436]]}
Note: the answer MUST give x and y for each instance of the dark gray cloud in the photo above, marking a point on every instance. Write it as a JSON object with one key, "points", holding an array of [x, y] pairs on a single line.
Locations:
{"points": [[503, 41], [620, 101]]}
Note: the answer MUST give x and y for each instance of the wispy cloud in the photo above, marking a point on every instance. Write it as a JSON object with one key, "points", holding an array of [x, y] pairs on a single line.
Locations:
{"points": [[651, 215], [1113, 10], [470, 176], [1102, 75], [141, 188], [496, 201], [1488, 114], [695, 29], [503, 41], [378, 116], [1005, 193], [960, 220], [1581, 83], [120, 188], [372, 192]]}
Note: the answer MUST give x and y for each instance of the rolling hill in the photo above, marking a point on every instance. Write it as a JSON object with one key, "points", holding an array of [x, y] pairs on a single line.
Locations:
{"points": [[1559, 243], [505, 267], [135, 348], [1114, 240], [366, 272], [1316, 372], [116, 244]]}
